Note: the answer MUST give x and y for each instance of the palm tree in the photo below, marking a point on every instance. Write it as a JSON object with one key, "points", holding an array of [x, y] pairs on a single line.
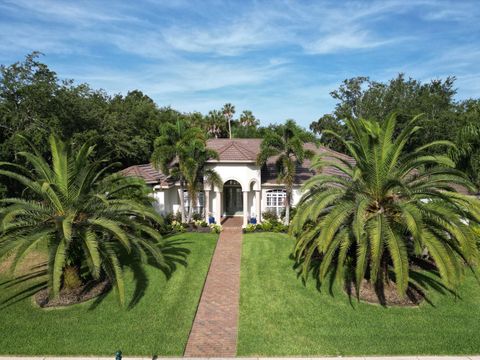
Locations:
{"points": [[248, 119], [215, 123], [379, 218], [192, 166], [287, 146], [169, 152], [81, 214], [228, 111]]}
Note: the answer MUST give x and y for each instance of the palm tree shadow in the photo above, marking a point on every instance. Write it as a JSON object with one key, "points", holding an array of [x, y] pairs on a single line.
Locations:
{"points": [[175, 254], [35, 279], [174, 251]]}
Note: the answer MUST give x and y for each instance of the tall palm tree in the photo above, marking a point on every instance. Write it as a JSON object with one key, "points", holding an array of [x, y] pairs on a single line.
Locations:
{"points": [[80, 213], [287, 146], [169, 152], [228, 111], [379, 218], [192, 166], [248, 119], [215, 123]]}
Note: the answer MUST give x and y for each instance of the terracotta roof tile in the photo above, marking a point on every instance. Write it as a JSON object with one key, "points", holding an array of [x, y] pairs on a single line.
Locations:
{"points": [[148, 173], [236, 149]]}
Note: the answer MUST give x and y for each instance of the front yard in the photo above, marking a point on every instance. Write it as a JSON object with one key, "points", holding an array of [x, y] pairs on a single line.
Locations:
{"points": [[158, 324], [281, 317]]}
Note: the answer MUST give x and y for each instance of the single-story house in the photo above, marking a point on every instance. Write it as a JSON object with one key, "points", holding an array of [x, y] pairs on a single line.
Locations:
{"points": [[248, 189]]}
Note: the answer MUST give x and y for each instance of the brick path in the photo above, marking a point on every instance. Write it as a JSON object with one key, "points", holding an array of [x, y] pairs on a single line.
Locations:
{"points": [[214, 330]]}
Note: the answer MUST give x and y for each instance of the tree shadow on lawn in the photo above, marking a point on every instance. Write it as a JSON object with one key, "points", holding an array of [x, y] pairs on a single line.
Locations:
{"points": [[426, 278], [174, 252]]}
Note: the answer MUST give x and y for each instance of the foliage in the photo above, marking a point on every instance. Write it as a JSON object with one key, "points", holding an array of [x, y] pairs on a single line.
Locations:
{"points": [[215, 228], [270, 215], [80, 214], [287, 145], [378, 218], [250, 228], [445, 118]]}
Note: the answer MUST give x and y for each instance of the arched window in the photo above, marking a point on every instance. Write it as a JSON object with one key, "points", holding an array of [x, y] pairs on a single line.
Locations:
{"points": [[276, 201]]}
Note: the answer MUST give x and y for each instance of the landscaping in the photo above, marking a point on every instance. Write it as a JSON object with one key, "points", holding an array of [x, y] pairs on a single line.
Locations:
{"points": [[279, 316], [156, 320]]}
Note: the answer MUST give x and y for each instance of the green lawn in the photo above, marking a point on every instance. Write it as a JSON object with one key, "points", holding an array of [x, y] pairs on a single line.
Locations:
{"points": [[279, 316], [158, 324]]}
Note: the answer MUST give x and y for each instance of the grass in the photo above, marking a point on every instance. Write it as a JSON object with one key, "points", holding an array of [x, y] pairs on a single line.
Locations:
{"points": [[280, 316], [159, 324]]}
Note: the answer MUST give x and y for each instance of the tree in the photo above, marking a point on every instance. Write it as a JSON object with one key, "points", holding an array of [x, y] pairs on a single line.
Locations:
{"points": [[377, 217], [81, 214], [228, 111], [361, 97], [170, 152], [247, 119], [287, 145], [215, 124], [192, 166]]}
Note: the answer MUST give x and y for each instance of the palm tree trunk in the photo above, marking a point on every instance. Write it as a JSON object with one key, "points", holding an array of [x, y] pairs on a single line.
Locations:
{"points": [[229, 128], [192, 196], [287, 207], [182, 202]]}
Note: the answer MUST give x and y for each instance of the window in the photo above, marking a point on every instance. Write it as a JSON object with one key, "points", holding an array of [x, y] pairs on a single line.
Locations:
{"points": [[199, 206], [276, 201]]}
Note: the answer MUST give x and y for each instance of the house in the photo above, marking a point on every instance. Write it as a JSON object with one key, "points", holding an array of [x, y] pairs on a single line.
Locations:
{"points": [[248, 189]]}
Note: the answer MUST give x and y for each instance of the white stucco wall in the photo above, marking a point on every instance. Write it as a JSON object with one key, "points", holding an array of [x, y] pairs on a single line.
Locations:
{"points": [[166, 200], [243, 173]]}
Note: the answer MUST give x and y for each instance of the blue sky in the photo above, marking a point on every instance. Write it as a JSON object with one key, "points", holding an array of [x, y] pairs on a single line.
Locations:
{"points": [[279, 59]]}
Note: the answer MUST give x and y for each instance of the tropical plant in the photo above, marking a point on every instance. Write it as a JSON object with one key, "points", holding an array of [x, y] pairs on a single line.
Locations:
{"points": [[82, 215], [387, 215], [214, 124], [286, 144], [192, 162], [247, 119], [170, 152], [228, 111]]}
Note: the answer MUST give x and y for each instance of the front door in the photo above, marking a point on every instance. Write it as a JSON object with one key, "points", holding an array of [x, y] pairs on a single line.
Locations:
{"points": [[233, 198]]}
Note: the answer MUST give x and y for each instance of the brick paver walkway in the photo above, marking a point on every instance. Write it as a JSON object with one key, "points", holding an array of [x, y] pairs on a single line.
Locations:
{"points": [[214, 330]]}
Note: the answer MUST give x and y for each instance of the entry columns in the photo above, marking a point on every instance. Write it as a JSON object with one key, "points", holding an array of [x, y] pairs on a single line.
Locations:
{"points": [[258, 200], [207, 205], [218, 198], [245, 208]]}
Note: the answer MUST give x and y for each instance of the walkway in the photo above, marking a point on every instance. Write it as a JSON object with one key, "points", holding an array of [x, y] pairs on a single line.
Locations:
{"points": [[214, 330]]}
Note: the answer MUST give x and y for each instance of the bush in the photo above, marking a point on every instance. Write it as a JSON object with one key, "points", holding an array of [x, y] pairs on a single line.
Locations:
{"points": [[177, 226], [250, 228], [266, 225], [200, 223], [215, 228], [279, 227], [270, 216], [197, 217]]}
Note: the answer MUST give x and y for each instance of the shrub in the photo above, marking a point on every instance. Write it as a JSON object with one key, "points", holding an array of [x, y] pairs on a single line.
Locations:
{"points": [[215, 228], [266, 225], [197, 216], [250, 228], [270, 216]]}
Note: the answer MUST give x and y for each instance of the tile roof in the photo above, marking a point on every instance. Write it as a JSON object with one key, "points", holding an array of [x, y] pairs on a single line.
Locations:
{"points": [[236, 149], [303, 171], [148, 173], [241, 150]]}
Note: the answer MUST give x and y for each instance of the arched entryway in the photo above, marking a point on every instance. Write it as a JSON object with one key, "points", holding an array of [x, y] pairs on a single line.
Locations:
{"points": [[232, 198]]}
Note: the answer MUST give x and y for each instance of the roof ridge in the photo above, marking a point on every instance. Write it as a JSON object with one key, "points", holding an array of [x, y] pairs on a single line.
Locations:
{"points": [[243, 149]]}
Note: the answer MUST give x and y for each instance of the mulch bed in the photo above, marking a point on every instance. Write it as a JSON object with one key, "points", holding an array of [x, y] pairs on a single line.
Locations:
{"points": [[387, 297], [73, 296]]}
